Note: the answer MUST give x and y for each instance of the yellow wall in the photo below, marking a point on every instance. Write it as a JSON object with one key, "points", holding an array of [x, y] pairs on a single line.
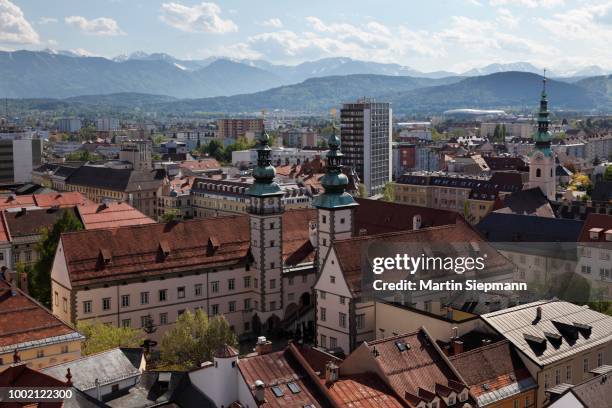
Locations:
{"points": [[52, 354]]}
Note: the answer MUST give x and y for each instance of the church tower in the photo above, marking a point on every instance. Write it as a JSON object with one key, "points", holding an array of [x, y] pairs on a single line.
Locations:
{"points": [[265, 218], [542, 161], [335, 207]]}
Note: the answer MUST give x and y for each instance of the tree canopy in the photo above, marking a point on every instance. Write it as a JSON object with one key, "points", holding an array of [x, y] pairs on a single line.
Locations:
{"points": [[40, 276], [101, 337], [194, 339]]}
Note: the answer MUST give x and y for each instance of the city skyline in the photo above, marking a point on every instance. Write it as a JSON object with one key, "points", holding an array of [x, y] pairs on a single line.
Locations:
{"points": [[449, 36]]}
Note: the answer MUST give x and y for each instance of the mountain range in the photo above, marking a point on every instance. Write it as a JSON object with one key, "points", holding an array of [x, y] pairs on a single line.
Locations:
{"points": [[65, 74]]}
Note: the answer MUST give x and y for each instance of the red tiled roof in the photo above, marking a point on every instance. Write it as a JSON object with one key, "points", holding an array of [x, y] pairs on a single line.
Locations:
{"points": [[17, 201], [111, 215], [496, 365], [66, 199], [363, 391], [23, 376], [134, 251], [22, 319], [201, 164], [378, 217], [350, 251], [416, 371], [596, 221], [279, 369], [31, 222]]}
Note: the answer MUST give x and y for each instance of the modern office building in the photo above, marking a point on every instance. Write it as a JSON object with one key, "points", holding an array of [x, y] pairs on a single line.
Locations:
{"points": [[366, 140], [107, 124], [235, 128], [19, 154], [69, 125]]}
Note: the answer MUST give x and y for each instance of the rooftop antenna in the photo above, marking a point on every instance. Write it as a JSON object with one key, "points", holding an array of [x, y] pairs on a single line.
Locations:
{"points": [[544, 80]]}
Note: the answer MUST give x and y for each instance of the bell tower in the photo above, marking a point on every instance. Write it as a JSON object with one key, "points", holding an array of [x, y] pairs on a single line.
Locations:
{"points": [[265, 221], [542, 160], [335, 207]]}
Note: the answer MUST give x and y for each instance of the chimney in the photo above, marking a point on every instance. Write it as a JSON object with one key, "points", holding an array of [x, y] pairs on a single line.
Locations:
{"points": [[16, 358], [457, 347], [331, 372], [416, 222], [68, 378], [259, 391], [539, 313], [455, 330], [23, 211], [224, 176], [98, 393], [263, 346]]}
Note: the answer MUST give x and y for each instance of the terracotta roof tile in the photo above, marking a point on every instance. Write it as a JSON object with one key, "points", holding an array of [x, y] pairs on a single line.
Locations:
{"points": [[111, 215], [599, 221], [201, 164], [363, 391]]}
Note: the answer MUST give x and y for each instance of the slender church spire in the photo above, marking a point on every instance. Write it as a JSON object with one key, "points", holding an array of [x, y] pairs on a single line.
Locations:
{"points": [[543, 136], [264, 172]]}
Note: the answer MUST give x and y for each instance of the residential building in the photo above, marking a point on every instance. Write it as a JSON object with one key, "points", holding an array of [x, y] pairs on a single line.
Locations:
{"points": [[278, 155], [496, 375], [69, 125], [591, 393], [403, 158], [595, 254], [522, 129], [559, 342], [201, 167], [174, 198], [366, 136], [105, 374], [110, 215], [234, 128], [19, 155], [138, 153], [30, 334], [299, 137], [408, 131], [107, 124]]}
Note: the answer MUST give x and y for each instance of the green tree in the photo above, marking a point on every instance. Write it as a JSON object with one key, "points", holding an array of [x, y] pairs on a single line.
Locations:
{"points": [[215, 149], [389, 192], [158, 139], [82, 155], [363, 193], [194, 338], [497, 133], [101, 337], [170, 215], [435, 135], [40, 276], [608, 173]]}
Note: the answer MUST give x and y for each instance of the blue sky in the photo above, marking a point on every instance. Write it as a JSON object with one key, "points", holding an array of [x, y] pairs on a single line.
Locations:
{"points": [[427, 35]]}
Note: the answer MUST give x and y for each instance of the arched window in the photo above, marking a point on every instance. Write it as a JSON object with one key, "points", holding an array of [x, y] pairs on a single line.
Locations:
{"points": [[538, 172]]}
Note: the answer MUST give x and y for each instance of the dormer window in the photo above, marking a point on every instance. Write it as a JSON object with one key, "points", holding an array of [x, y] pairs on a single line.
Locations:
{"points": [[609, 235], [594, 233]]}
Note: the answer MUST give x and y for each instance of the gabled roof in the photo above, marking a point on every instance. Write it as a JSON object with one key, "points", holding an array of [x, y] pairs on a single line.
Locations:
{"points": [[100, 177], [363, 391], [563, 330], [111, 215], [133, 251], [594, 392], [31, 221], [527, 202], [418, 371], [25, 323], [502, 227], [108, 367], [600, 222], [494, 372]]}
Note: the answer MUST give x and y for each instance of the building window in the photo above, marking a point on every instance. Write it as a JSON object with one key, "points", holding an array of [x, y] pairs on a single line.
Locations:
{"points": [[180, 292], [272, 283], [144, 298], [247, 281], [163, 318], [40, 353], [125, 300], [342, 300], [232, 306], [65, 304], [324, 219], [290, 281], [333, 342], [272, 242], [198, 289], [568, 374], [600, 358], [360, 321], [144, 320], [214, 287], [231, 284], [126, 322], [332, 279], [516, 403], [87, 306], [272, 305], [557, 376], [64, 349], [291, 296], [585, 365], [56, 297], [215, 310], [323, 342], [546, 383], [342, 319], [322, 295], [163, 295], [247, 304], [106, 304], [272, 265], [323, 314], [304, 278]]}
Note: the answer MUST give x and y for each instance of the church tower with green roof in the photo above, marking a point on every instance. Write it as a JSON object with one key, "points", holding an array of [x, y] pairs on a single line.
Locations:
{"points": [[542, 160], [266, 218], [335, 206]]}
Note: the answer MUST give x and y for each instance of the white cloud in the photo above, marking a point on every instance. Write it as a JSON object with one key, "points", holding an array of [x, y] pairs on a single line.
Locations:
{"points": [[506, 18], [102, 26], [47, 20], [528, 3], [204, 17], [474, 2], [273, 23], [14, 28]]}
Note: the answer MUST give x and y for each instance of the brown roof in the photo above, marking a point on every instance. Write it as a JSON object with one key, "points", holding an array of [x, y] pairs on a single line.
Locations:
{"points": [[66, 199], [30, 222], [111, 215], [378, 217], [201, 164], [596, 221], [418, 371], [24, 320], [278, 369], [505, 163], [104, 255], [23, 376], [454, 239], [527, 202], [19, 201], [363, 391], [496, 365]]}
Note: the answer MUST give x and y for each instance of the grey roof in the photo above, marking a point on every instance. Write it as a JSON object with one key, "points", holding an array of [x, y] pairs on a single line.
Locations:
{"points": [[527, 202], [507, 391], [602, 191], [592, 393], [115, 179], [108, 367], [521, 327], [500, 227]]}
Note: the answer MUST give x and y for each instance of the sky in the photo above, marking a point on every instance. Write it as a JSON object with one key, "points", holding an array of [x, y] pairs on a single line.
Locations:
{"points": [[428, 35]]}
